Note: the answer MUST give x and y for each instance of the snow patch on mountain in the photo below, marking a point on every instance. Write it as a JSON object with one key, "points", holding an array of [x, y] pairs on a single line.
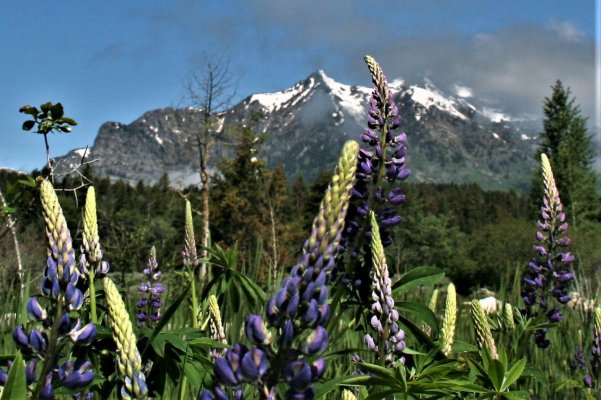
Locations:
{"points": [[274, 101], [352, 99], [431, 97], [494, 115], [82, 152]]}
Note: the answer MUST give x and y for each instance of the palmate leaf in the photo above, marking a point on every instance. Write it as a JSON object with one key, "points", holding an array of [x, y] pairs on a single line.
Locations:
{"points": [[239, 288]]}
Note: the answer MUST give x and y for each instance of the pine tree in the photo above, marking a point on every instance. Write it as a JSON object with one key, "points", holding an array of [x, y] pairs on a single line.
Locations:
{"points": [[567, 143]]}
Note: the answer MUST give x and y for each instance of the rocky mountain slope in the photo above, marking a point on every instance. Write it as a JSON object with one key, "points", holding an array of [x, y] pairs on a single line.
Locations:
{"points": [[304, 127]]}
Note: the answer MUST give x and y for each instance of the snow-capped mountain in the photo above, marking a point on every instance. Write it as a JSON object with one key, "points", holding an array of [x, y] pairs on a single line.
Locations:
{"points": [[449, 138]]}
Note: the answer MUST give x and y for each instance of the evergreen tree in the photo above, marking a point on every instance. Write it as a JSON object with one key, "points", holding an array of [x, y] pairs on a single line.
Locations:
{"points": [[567, 143]]}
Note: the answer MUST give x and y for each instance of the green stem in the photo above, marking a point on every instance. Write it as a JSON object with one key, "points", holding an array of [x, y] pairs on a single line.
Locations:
{"points": [[194, 301], [183, 388], [52, 348], [92, 289]]}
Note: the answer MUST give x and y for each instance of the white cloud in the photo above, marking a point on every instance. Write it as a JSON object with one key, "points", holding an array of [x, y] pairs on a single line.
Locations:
{"points": [[567, 31], [463, 91]]}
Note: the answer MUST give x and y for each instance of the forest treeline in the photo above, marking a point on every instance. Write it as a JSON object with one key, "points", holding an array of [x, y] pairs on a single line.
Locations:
{"points": [[479, 238]]}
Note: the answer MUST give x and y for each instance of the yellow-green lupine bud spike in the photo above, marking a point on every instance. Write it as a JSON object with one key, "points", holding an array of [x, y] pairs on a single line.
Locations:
{"points": [[216, 326], [329, 222], [59, 237], [190, 244], [377, 250], [433, 301], [482, 328], [449, 320], [91, 240], [432, 306], [598, 321], [129, 361], [377, 75], [347, 395], [549, 181], [508, 317]]}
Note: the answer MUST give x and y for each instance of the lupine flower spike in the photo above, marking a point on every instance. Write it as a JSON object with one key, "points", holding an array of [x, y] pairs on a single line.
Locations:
{"points": [[482, 328], [129, 361], [347, 395], [51, 311], [215, 325], [548, 274], [90, 261], [190, 260], [298, 311], [377, 171], [508, 319], [150, 303], [433, 300], [432, 306], [390, 338], [449, 320], [596, 345]]}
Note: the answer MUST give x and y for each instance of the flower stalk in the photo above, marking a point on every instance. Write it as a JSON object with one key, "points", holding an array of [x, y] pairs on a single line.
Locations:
{"points": [[129, 361], [549, 275]]}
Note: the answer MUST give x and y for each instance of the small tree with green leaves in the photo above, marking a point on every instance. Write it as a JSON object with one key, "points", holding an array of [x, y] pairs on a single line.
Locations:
{"points": [[49, 118]]}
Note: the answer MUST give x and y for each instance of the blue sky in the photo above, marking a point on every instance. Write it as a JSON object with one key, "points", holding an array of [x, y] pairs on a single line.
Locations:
{"points": [[114, 60]]}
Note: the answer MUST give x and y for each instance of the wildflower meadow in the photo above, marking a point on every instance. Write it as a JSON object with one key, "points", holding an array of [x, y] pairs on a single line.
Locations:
{"points": [[340, 323]]}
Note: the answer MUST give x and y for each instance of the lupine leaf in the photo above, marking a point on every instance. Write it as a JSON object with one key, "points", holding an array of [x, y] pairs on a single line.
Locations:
{"points": [[421, 311], [16, 385], [514, 373], [382, 395], [332, 384], [460, 346], [496, 374], [166, 316], [420, 336], [531, 371], [416, 277]]}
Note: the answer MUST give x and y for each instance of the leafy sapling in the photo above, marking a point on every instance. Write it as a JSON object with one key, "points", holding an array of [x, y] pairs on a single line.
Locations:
{"points": [[49, 118]]}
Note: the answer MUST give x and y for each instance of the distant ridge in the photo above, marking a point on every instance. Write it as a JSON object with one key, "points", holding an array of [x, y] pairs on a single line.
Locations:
{"points": [[450, 139]]}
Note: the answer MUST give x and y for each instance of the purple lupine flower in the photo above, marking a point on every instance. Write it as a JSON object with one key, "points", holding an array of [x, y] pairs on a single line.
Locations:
{"points": [[76, 374], [548, 275], [62, 292], [298, 311], [390, 337], [596, 345], [380, 169], [149, 305], [35, 311], [578, 361]]}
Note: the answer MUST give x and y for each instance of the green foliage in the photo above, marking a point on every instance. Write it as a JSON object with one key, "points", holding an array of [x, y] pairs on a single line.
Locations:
{"points": [[258, 223], [568, 144], [49, 118], [16, 386]]}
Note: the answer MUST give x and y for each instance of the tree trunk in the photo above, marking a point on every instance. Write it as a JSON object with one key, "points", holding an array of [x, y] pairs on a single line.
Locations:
{"points": [[10, 223], [274, 242], [205, 232]]}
